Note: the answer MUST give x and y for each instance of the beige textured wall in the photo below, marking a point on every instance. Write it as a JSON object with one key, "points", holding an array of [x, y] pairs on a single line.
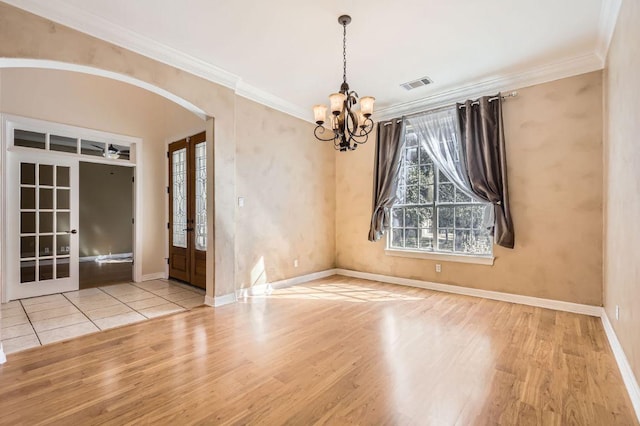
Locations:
{"points": [[111, 106], [622, 182], [288, 181], [554, 154], [23, 35], [106, 209]]}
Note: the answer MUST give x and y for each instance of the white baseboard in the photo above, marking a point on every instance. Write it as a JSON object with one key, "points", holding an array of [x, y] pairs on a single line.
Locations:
{"points": [[155, 276], [623, 364], [558, 305], [220, 300], [267, 288], [3, 357]]}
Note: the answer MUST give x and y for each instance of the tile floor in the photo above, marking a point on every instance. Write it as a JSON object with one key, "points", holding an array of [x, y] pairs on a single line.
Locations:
{"points": [[40, 320]]}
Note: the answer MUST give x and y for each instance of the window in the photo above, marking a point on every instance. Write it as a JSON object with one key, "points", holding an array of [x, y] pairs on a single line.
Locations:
{"points": [[431, 213]]}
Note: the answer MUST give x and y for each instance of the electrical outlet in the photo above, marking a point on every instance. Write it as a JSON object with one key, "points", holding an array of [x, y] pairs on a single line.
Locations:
{"points": [[295, 263], [240, 201], [617, 312], [438, 267]]}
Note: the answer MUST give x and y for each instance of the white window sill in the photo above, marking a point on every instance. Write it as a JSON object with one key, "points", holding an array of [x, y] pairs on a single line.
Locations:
{"points": [[462, 258]]}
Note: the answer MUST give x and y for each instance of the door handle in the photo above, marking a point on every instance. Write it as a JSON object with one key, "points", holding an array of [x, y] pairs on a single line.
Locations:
{"points": [[73, 231], [188, 229]]}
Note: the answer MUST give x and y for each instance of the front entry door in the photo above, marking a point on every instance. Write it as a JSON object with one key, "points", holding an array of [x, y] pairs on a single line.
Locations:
{"points": [[42, 226], [188, 210]]}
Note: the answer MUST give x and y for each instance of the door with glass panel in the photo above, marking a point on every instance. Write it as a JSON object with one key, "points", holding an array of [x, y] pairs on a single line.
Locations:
{"points": [[42, 225], [188, 210]]}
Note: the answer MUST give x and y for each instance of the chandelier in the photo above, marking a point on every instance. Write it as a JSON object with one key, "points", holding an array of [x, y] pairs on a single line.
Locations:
{"points": [[350, 127]]}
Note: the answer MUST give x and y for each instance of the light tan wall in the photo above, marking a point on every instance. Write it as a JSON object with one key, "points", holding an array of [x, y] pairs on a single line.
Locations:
{"points": [[554, 154], [107, 105], [23, 35], [622, 182], [106, 209], [287, 179]]}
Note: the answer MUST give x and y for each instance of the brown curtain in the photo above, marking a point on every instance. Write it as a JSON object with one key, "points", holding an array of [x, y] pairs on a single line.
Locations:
{"points": [[386, 171], [483, 150]]}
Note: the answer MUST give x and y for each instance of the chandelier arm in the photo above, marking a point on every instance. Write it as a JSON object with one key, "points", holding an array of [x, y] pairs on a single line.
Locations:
{"points": [[344, 52], [315, 133]]}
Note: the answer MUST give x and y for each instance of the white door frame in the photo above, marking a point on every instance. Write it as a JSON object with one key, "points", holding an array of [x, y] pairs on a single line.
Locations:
{"points": [[9, 122]]}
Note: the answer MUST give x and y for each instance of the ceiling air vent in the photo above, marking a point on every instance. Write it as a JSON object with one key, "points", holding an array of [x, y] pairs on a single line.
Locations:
{"points": [[416, 83]]}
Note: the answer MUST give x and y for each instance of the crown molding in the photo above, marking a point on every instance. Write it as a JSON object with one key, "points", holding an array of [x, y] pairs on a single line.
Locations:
{"points": [[609, 12], [516, 80], [96, 26]]}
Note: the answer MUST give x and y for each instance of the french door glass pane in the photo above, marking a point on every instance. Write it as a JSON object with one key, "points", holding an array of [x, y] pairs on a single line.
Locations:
{"points": [[44, 241], [179, 172], [201, 196], [95, 149]]}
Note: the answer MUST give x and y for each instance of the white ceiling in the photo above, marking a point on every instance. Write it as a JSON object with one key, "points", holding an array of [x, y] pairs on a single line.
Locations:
{"points": [[288, 53]]}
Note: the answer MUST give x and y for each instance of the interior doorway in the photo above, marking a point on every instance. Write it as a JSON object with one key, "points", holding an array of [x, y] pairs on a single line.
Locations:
{"points": [[106, 224], [188, 210]]}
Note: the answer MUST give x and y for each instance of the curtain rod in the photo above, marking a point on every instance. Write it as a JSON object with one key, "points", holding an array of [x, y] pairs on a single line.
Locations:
{"points": [[495, 98]]}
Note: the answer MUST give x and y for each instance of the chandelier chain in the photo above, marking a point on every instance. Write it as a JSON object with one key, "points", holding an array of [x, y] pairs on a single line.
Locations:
{"points": [[344, 53]]}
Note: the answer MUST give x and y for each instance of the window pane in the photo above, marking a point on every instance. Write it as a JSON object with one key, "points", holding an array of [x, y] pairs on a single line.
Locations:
{"points": [[62, 244], [46, 175], [62, 268], [46, 198], [463, 241], [411, 218], [46, 269], [482, 242], [29, 139], [179, 173], [27, 247], [63, 224], [401, 194], [62, 201], [461, 197], [27, 173], [446, 193], [445, 239], [27, 223], [477, 216], [95, 149], [63, 144], [397, 216], [46, 245], [413, 175], [426, 194], [425, 217], [445, 217], [46, 222], [397, 238], [412, 155], [411, 139], [27, 198], [201, 196], [426, 239], [411, 238], [463, 217], [27, 271], [121, 151], [412, 194], [62, 176], [426, 174]]}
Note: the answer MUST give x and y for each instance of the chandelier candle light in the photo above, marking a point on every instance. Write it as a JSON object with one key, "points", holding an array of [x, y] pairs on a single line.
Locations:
{"points": [[350, 126]]}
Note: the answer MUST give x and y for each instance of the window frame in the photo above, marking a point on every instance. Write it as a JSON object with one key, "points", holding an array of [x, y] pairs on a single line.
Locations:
{"points": [[483, 259]]}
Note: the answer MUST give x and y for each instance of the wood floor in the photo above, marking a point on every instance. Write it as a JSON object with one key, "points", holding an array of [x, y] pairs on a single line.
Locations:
{"points": [[335, 351]]}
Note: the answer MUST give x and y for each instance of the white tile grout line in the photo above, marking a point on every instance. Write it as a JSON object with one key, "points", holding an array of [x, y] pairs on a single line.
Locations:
{"points": [[30, 323], [113, 297]]}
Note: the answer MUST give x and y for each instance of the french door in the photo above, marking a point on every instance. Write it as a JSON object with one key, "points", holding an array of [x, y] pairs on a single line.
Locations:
{"points": [[42, 223], [188, 210]]}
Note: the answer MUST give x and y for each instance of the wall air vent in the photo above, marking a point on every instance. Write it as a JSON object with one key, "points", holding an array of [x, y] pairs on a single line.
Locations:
{"points": [[416, 83]]}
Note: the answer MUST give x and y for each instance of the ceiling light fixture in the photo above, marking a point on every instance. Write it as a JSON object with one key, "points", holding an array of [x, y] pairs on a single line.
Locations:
{"points": [[350, 127]]}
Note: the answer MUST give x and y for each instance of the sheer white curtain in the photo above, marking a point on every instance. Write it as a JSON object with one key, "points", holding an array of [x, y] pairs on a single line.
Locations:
{"points": [[439, 134]]}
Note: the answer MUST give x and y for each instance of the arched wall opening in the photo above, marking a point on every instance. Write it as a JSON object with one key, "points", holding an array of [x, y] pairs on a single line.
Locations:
{"points": [[112, 102]]}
